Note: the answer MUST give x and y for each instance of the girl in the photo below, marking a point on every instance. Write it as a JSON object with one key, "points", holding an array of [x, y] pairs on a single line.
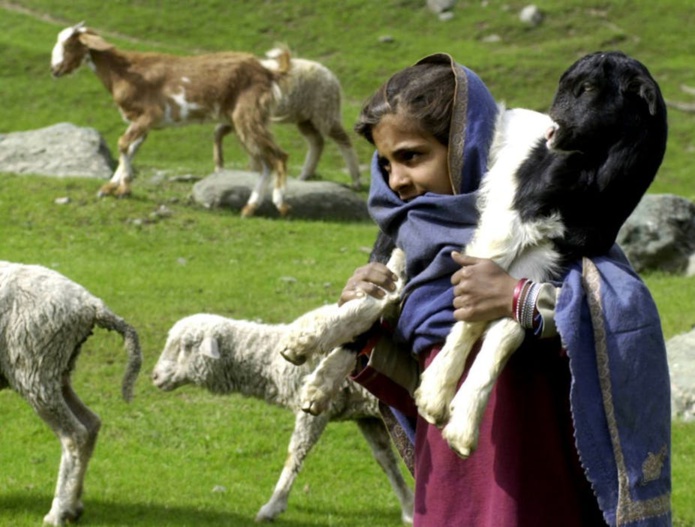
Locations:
{"points": [[551, 449]]}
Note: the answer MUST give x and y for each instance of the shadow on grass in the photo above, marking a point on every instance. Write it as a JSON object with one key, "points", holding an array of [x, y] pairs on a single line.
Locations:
{"points": [[122, 514], [107, 513]]}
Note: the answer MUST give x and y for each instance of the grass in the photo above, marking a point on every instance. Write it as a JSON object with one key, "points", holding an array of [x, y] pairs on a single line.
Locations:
{"points": [[189, 458]]}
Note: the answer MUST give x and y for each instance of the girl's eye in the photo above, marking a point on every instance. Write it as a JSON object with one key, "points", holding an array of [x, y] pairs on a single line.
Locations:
{"points": [[384, 165]]}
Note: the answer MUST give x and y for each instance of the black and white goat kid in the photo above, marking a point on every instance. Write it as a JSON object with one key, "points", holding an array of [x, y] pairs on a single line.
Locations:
{"points": [[559, 187]]}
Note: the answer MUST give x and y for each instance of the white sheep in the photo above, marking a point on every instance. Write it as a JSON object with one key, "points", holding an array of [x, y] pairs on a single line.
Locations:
{"points": [[155, 90], [44, 320], [311, 99], [225, 356]]}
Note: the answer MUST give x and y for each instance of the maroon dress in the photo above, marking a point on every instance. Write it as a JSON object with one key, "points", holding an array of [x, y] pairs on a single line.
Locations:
{"points": [[525, 471]]}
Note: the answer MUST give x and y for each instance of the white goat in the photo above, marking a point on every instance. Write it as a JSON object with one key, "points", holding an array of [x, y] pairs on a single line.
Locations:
{"points": [[225, 356], [311, 99], [154, 90], [44, 320]]}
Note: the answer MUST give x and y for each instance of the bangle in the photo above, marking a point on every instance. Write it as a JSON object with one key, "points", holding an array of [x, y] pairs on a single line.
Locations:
{"points": [[518, 290], [528, 310]]}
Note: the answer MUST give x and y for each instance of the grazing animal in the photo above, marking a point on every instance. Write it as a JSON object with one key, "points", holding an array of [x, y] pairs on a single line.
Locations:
{"points": [[558, 189], [154, 90], [44, 320], [311, 99], [226, 356]]}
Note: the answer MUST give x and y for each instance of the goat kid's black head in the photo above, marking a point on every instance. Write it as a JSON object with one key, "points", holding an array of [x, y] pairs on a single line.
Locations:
{"points": [[603, 98]]}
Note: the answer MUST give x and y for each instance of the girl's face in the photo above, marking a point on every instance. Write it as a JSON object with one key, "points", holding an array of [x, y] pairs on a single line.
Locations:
{"points": [[414, 160]]}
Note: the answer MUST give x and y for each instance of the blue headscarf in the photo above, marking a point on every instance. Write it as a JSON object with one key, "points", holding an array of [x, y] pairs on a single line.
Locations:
{"points": [[431, 226]]}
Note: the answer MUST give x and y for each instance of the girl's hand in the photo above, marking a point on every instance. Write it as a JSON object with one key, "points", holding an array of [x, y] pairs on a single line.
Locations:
{"points": [[373, 279], [483, 291]]}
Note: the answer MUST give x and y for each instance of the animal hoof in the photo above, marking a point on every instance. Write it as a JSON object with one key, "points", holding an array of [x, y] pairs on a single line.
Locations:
{"points": [[297, 360], [284, 209], [248, 211]]}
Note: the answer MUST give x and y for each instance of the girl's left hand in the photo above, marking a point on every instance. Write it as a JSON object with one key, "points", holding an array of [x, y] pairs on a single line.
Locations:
{"points": [[483, 291]]}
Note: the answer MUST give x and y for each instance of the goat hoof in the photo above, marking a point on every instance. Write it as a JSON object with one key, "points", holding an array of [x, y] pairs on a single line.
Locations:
{"points": [[248, 211], [284, 209]]}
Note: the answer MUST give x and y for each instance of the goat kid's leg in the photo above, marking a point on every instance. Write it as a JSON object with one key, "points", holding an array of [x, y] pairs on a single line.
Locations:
{"points": [[128, 145], [328, 327], [257, 193], [468, 406], [377, 436], [342, 139], [221, 130], [439, 380], [321, 385], [307, 431], [316, 143]]}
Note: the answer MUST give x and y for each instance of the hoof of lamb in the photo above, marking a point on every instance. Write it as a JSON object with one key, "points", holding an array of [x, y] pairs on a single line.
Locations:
{"points": [[314, 401], [298, 345], [433, 397], [461, 437], [322, 385], [59, 515]]}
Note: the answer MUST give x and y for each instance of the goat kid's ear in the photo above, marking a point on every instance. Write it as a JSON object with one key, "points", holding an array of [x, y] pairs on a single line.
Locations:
{"points": [[209, 348], [645, 88], [94, 42]]}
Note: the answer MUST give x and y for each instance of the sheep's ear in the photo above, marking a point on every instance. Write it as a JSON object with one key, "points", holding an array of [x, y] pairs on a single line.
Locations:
{"points": [[209, 348], [94, 42]]}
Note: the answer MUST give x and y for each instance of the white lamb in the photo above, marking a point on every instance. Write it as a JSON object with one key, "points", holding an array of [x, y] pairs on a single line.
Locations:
{"points": [[226, 356], [44, 320], [311, 99]]}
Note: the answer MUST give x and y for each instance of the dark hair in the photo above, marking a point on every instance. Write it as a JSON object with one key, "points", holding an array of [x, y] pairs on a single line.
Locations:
{"points": [[423, 93]]}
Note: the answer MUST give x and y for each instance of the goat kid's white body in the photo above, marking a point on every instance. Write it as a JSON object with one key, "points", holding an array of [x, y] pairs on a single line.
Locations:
{"points": [[524, 250], [225, 355]]}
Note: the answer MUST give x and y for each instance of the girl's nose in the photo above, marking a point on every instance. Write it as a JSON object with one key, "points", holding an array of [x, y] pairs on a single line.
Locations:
{"points": [[398, 178]]}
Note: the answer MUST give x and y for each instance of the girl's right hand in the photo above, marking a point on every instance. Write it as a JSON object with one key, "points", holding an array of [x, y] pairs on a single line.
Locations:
{"points": [[373, 279]]}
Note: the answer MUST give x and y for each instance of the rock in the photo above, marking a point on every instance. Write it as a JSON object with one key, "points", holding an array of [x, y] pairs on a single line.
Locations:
{"points": [[59, 150], [531, 15], [440, 6], [660, 234], [313, 200]]}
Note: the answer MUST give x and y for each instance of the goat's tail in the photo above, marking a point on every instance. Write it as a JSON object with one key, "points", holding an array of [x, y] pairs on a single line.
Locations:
{"points": [[106, 319]]}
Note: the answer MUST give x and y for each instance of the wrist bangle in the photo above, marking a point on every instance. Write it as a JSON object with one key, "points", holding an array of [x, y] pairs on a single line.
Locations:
{"points": [[518, 290]]}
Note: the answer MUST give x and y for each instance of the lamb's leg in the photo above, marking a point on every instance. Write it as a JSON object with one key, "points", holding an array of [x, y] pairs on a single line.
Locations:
{"points": [[501, 340], [328, 327], [315, 142], [307, 430], [321, 385], [438, 382], [128, 145], [221, 130], [342, 139], [379, 441], [76, 444]]}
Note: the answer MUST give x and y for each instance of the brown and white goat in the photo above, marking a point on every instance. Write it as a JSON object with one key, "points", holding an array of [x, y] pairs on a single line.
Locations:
{"points": [[154, 90]]}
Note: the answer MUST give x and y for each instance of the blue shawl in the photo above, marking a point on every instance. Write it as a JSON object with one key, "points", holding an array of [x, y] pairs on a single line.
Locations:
{"points": [[429, 227], [608, 322], [620, 391]]}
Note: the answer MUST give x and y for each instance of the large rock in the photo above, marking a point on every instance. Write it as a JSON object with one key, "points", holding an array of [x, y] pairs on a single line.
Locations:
{"points": [[660, 234], [314, 200], [681, 361], [59, 150]]}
